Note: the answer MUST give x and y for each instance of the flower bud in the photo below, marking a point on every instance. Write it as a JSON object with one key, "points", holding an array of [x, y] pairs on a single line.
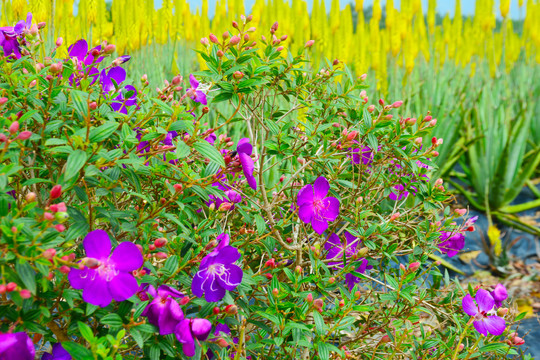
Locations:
{"points": [[59, 42], [335, 62], [397, 104], [279, 49], [461, 346], [432, 123], [14, 127], [341, 303], [178, 187], [216, 310], [332, 280], [438, 182], [11, 286], [274, 27], [160, 242], [109, 49], [402, 267], [418, 141], [235, 24], [64, 269], [298, 269], [184, 300], [271, 263], [49, 254], [231, 309], [427, 118], [24, 135], [268, 276], [3, 289], [357, 294], [363, 77], [371, 108], [220, 53], [502, 311], [410, 121], [362, 252], [309, 44], [318, 304], [381, 102], [275, 291], [161, 255], [234, 40], [518, 341], [151, 247], [30, 197], [213, 38], [283, 38], [25, 294], [55, 192], [389, 117], [309, 298], [205, 41], [352, 135], [238, 75], [414, 266], [222, 343], [246, 37], [3, 100]]}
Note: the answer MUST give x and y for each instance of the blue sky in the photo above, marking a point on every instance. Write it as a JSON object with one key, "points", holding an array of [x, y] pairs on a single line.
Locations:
{"points": [[444, 6]]}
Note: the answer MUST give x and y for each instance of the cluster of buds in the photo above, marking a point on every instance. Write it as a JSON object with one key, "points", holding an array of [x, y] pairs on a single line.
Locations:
{"points": [[11, 287], [170, 89], [514, 340], [13, 130], [439, 184]]}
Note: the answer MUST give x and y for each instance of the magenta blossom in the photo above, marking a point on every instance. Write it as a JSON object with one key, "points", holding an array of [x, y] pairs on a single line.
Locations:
{"points": [[245, 149], [499, 294], [85, 60], [217, 272], [451, 243], [58, 353], [189, 330], [363, 154], [198, 95], [483, 311], [163, 311], [337, 250], [399, 194], [315, 207], [9, 42], [16, 346], [106, 277], [110, 81]]}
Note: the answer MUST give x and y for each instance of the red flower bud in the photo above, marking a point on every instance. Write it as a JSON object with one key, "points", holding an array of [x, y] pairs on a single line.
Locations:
{"points": [[25, 294], [178, 187], [309, 298], [231, 309], [64, 269], [221, 342], [3, 100], [335, 62], [184, 300], [235, 24], [59, 227], [56, 192], [428, 118], [397, 104], [309, 44], [59, 42], [341, 303], [238, 75], [414, 266], [14, 127], [234, 40], [160, 255], [318, 304], [48, 216], [24, 135], [381, 102], [275, 291], [3, 289], [151, 247], [268, 276], [161, 242], [11, 286], [298, 269], [49, 254], [215, 310], [213, 38], [352, 135]]}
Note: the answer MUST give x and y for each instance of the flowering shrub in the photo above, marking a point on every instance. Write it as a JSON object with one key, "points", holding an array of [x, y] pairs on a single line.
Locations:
{"points": [[289, 219]]}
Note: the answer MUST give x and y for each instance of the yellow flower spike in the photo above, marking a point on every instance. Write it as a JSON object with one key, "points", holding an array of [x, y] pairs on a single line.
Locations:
{"points": [[505, 7], [494, 235]]}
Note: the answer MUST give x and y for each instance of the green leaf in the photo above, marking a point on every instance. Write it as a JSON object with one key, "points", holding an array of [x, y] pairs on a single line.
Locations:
{"points": [[80, 103], [74, 164], [208, 151], [492, 347], [324, 351], [113, 320], [86, 331], [319, 323], [77, 351], [171, 265], [27, 275], [103, 132]]}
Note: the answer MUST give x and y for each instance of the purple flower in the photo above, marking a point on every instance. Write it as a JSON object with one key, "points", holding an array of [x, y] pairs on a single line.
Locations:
{"points": [[499, 294], [23, 26], [58, 353], [218, 272], [401, 193], [109, 276], [364, 154], [198, 95], [231, 197], [9, 42], [110, 81], [189, 330], [84, 58], [164, 312], [244, 149], [16, 346], [315, 207], [484, 323], [451, 243], [336, 250]]}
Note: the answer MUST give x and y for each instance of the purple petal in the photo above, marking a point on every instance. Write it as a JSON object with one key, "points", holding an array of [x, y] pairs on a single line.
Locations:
{"points": [[499, 294], [227, 255], [78, 278], [169, 318], [480, 326], [305, 213], [305, 195], [469, 306], [198, 282], [200, 97], [184, 336], [96, 292], [244, 146], [222, 329], [351, 280], [201, 328], [117, 74], [165, 290], [248, 168], [78, 50], [97, 245], [223, 241], [127, 257], [123, 286], [231, 278], [331, 209], [213, 292], [484, 300], [319, 225], [320, 187], [193, 82], [495, 325], [16, 346]]}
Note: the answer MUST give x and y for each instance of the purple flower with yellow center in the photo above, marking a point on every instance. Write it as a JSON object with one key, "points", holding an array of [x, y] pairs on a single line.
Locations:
{"points": [[189, 330], [85, 60], [217, 272], [9, 42], [58, 353], [16, 346], [451, 243], [338, 250], [127, 96], [244, 150], [315, 207], [198, 95], [484, 320], [106, 277], [163, 311], [499, 294]]}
